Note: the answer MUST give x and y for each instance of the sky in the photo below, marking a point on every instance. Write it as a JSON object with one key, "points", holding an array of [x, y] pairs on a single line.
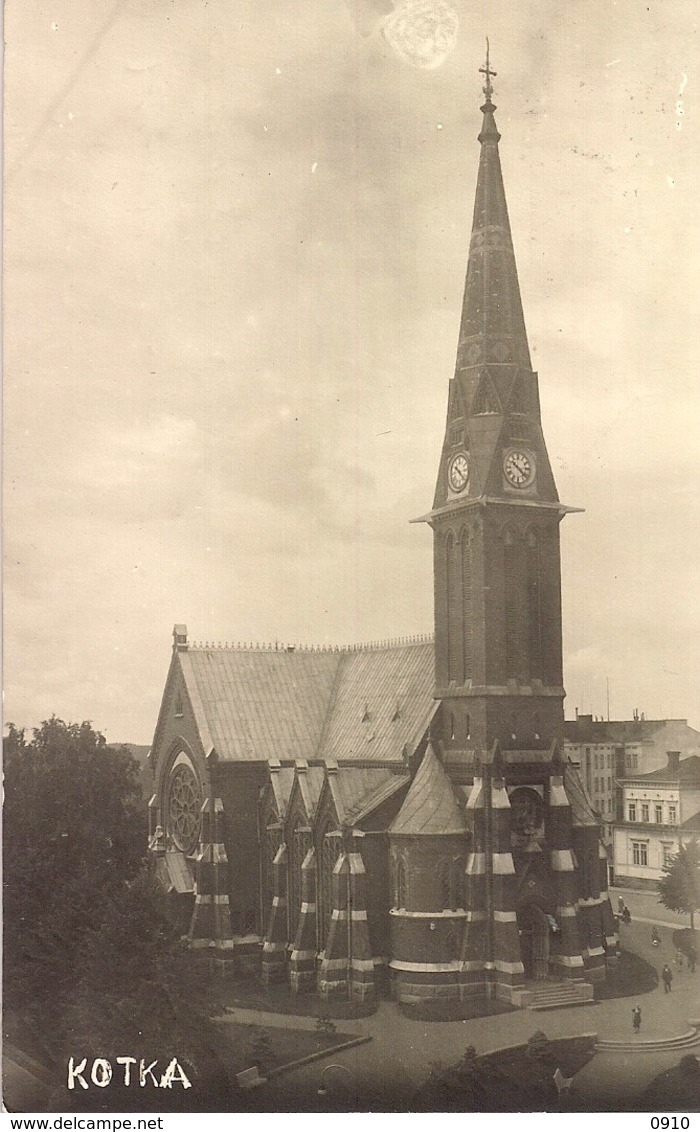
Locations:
{"points": [[236, 238]]}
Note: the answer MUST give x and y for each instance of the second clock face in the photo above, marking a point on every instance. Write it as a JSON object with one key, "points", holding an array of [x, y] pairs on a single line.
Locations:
{"points": [[458, 473], [519, 467]]}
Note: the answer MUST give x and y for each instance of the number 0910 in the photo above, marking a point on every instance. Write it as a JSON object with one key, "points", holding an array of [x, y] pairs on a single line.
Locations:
{"points": [[670, 1122]]}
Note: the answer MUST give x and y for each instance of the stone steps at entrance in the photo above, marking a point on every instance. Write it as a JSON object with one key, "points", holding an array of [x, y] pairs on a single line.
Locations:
{"points": [[550, 995]]}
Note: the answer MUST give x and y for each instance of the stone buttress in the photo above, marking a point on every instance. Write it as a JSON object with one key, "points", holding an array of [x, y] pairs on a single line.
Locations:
{"points": [[347, 968], [210, 930]]}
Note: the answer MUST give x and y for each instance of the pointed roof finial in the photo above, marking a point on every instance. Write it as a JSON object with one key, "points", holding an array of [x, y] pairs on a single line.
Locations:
{"points": [[486, 70]]}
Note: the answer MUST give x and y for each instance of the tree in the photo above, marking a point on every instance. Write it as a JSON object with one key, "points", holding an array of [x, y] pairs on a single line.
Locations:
{"points": [[74, 831], [679, 888]]}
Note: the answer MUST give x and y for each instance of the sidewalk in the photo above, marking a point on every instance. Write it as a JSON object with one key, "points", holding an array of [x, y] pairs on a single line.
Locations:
{"points": [[645, 907]]}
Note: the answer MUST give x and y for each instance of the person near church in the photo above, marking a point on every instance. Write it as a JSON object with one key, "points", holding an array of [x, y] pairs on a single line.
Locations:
{"points": [[626, 916], [620, 905], [667, 977], [692, 958], [637, 1019]]}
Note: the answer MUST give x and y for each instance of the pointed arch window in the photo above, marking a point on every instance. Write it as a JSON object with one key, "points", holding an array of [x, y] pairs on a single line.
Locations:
{"points": [[330, 848], [534, 610], [401, 884], [454, 609], [510, 584], [467, 607], [298, 848], [273, 840], [444, 877]]}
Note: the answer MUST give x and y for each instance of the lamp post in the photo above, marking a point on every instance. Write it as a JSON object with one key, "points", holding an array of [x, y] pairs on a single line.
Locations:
{"points": [[322, 1090]]}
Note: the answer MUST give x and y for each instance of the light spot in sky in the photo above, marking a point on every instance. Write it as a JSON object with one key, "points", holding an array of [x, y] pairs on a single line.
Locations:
{"points": [[422, 32], [314, 167]]}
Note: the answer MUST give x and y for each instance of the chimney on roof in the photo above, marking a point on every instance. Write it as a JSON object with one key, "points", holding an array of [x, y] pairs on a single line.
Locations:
{"points": [[635, 716], [179, 638], [577, 713], [673, 760], [644, 717]]}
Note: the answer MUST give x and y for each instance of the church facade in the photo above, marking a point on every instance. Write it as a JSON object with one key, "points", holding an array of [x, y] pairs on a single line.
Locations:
{"points": [[400, 818]]}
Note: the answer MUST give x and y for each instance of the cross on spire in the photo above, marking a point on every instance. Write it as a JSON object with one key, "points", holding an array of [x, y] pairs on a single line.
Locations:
{"points": [[486, 70]]}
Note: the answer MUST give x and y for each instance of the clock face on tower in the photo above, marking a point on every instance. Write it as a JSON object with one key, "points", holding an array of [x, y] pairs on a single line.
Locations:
{"points": [[519, 467], [458, 472]]}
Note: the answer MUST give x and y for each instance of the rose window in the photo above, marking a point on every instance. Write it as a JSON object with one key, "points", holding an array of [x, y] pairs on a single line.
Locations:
{"points": [[185, 805]]}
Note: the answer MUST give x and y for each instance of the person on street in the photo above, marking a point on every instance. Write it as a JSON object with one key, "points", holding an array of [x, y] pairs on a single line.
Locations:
{"points": [[637, 1019], [626, 915], [620, 905], [655, 937], [692, 958], [667, 976]]}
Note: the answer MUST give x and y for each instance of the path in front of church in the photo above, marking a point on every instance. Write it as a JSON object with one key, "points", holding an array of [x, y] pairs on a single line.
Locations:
{"points": [[399, 1057]]}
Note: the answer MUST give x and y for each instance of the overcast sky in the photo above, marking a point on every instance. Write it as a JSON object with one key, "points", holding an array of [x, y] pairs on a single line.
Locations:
{"points": [[236, 238]]}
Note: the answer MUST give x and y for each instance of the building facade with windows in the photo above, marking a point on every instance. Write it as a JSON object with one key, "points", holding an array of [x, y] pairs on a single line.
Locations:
{"points": [[401, 816], [660, 812]]}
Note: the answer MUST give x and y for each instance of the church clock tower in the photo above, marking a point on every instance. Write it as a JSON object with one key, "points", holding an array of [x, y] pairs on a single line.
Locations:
{"points": [[496, 512]]}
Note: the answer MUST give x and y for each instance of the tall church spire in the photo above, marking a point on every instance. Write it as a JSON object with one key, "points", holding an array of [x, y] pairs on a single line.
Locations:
{"points": [[493, 327], [496, 512], [493, 406]]}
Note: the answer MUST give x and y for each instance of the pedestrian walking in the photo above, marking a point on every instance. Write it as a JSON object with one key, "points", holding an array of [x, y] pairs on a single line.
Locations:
{"points": [[692, 958], [620, 905], [667, 976], [626, 915], [637, 1019], [679, 959]]}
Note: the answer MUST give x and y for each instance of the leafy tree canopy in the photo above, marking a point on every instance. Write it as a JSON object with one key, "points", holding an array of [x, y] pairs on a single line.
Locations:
{"points": [[679, 887], [73, 831]]}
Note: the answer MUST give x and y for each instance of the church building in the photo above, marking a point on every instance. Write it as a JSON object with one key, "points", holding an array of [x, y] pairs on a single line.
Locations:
{"points": [[400, 818]]}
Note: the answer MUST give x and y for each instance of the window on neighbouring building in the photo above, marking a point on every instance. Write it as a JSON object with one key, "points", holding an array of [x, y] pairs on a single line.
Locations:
{"points": [[645, 811], [639, 853], [666, 853], [609, 782], [672, 815], [631, 812], [658, 814]]}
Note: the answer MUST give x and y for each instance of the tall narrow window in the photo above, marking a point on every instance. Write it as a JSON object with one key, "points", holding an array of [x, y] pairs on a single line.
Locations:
{"points": [[273, 840], [467, 607], [467, 726], [632, 812], [298, 848], [449, 628], [534, 612], [400, 885], [510, 582], [454, 609], [328, 857]]}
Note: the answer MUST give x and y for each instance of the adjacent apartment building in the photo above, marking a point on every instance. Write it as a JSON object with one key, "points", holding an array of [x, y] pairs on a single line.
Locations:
{"points": [[661, 811], [611, 752]]}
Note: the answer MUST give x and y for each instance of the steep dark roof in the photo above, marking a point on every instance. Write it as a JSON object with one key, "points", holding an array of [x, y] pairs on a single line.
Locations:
{"points": [[587, 730], [430, 807], [356, 705]]}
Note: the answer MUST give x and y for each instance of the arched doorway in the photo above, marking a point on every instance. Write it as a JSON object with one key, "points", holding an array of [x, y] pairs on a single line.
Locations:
{"points": [[533, 928]]}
